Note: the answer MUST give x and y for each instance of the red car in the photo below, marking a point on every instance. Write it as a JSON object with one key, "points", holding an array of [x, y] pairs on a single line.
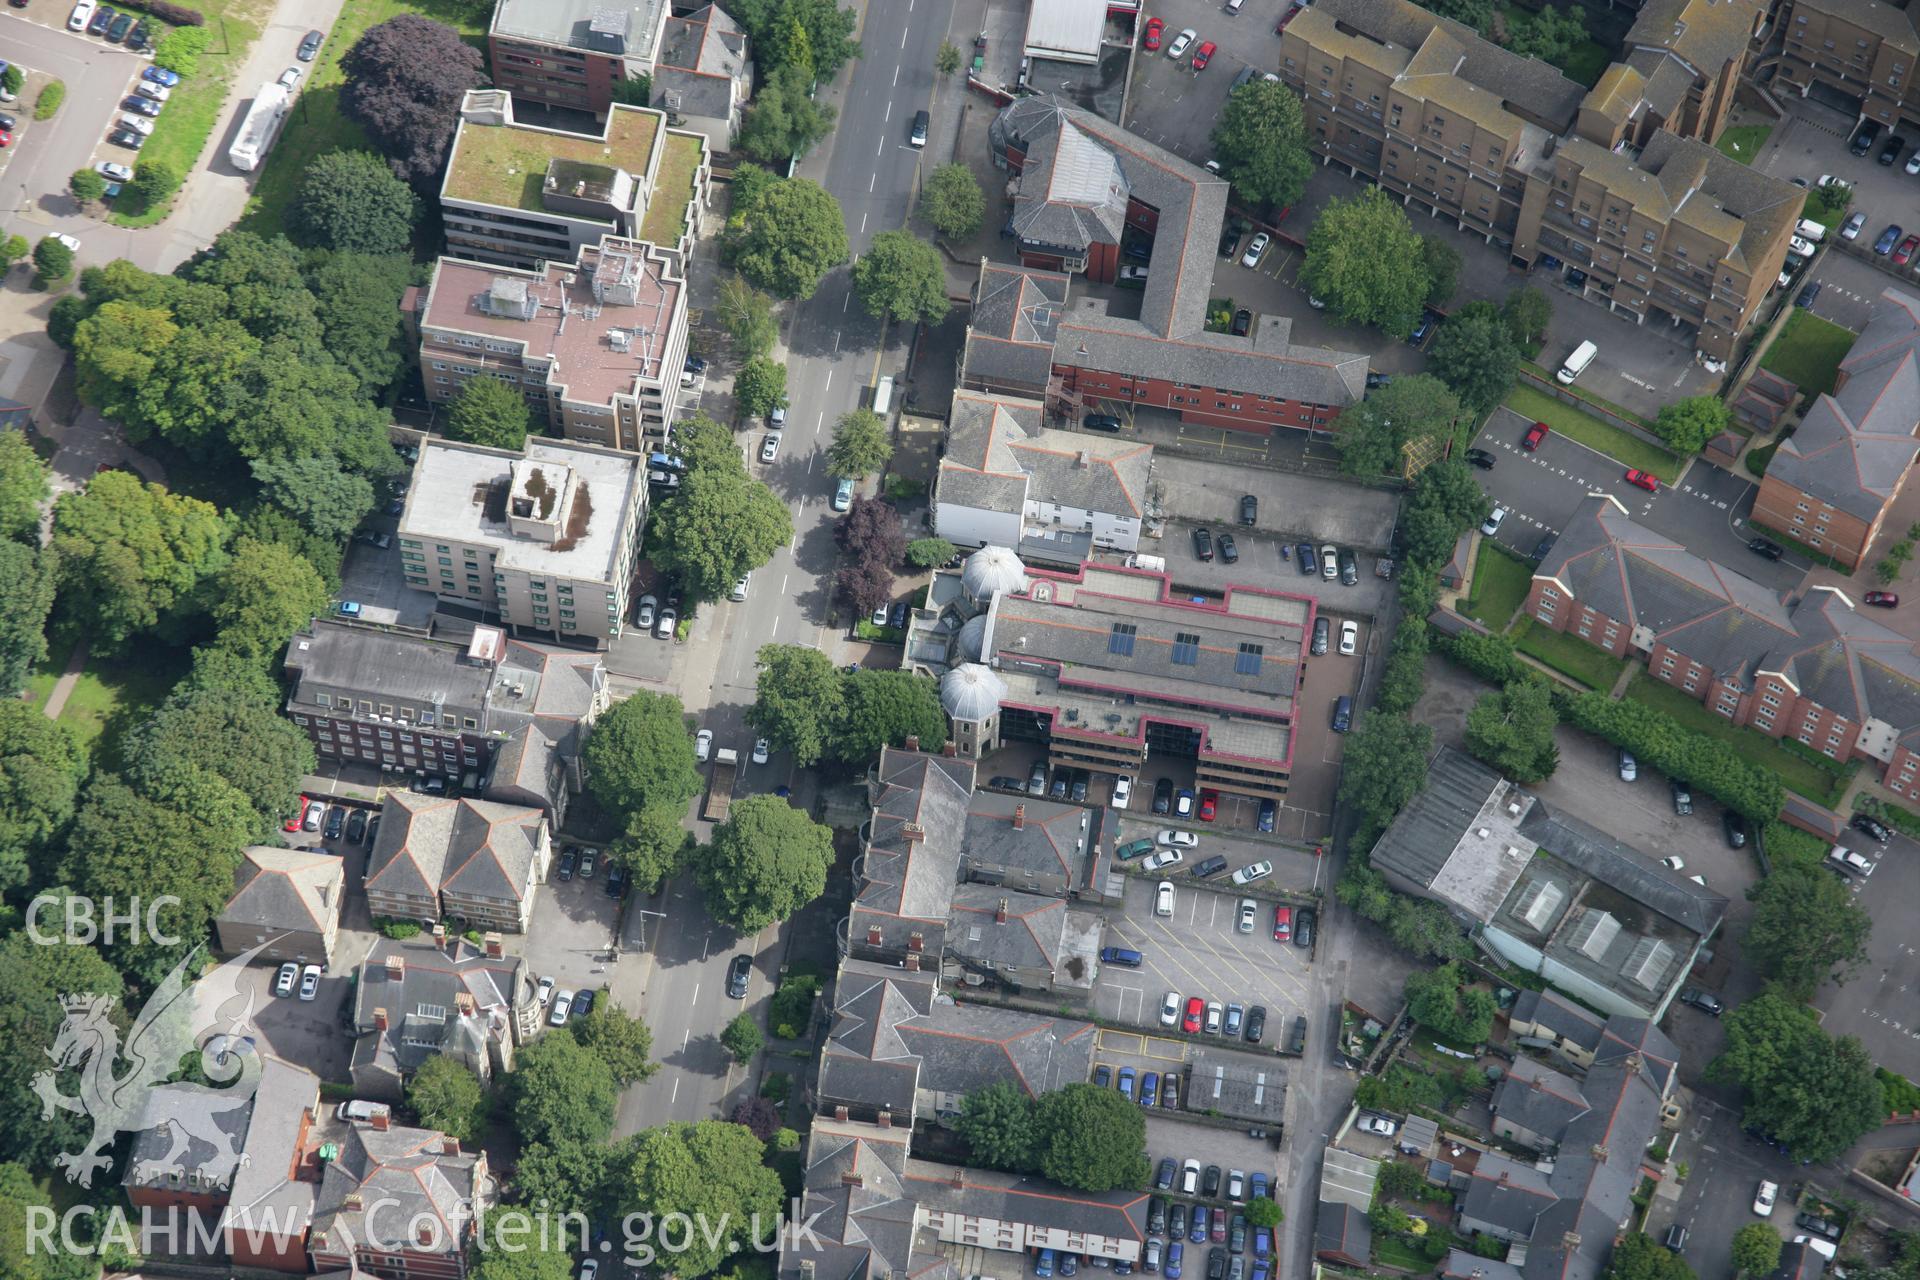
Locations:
{"points": [[1645, 479], [1203, 55], [1885, 599], [1282, 924], [1535, 434], [1191, 1022], [1209, 800], [1904, 254], [1152, 40], [6, 139], [299, 812]]}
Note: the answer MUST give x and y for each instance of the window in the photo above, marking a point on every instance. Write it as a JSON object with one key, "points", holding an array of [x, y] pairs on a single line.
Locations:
{"points": [[1186, 648], [1248, 661]]}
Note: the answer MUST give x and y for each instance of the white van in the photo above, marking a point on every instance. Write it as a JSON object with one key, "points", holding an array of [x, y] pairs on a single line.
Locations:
{"points": [[1153, 564], [883, 396], [1810, 230], [1577, 363]]}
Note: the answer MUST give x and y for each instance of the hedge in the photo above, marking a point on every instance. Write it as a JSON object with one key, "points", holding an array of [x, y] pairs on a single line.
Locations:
{"points": [[51, 96], [1703, 763], [1903, 1096], [1488, 656], [177, 14], [1791, 847]]}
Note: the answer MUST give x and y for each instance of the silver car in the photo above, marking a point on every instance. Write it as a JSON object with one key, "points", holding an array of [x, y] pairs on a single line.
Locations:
{"points": [[1329, 562]]}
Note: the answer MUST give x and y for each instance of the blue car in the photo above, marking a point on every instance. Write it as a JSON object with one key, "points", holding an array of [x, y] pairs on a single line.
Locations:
{"points": [[1304, 557], [1069, 1263], [1888, 238], [1197, 1233], [1257, 1185], [1171, 1267], [1259, 1271], [1043, 1266], [1103, 1075], [349, 608], [160, 76], [1149, 1088], [1262, 1242], [1126, 1083], [1266, 815]]}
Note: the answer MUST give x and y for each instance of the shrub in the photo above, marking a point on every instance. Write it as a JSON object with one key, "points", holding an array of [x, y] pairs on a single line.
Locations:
{"points": [[86, 185], [52, 94], [13, 78], [399, 930], [176, 14], [52, 261], [1902, 1094], [1791, 847], [1489, 657], [793, 1006], [1707, 764], [179, 51]]}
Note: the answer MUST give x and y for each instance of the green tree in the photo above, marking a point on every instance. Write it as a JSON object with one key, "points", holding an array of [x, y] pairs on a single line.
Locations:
{"points": [[12, 249], [760, 387], [41, 768], [1511, 729], [351, 200], [52, 261], [618, 1038], [1385, 766], [1091, 1139], [747, 315], [562, 1093], [884, 709], [860, 444], [517, 1245], [1639, 1257], [263, 595], [997, 1124], [13, 79], [23, 487], [634, 90], [925, 553], [900, 277], [766, 861], [1262, 1212], [742, 1038], [1756, 1249], [489, 411], [22, 1258], [86, 184], [1527, 313], [799, 700], [640, 755], [128, 553], [653, 847], [1447, 501], [1372, 433], [952, 203], [1443, 264], [785, 119], [316, 492], [357, 297], [721, 525], [446, 1095], [1806, 929], [1686, 425], [154, 182], [713, 1172], [569, 1178], [1440, 1000], [1474, 353], [946, 59], [1815, 1092], [1424, 929], [1549, 35], [227, 739], [1261, 143], [1357, 256], [784, 233], [32, 980]]}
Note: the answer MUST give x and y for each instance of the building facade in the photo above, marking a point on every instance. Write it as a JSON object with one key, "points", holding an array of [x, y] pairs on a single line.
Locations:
{"points": [[574, 53], [595, 346], [546, 537], [1858, 55], [704, 75], [437, 858]]}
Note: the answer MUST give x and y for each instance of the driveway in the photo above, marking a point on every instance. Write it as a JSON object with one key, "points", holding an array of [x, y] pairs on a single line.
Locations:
{"points": [[1877, 1004], [1292, 506], [1199, 952]]}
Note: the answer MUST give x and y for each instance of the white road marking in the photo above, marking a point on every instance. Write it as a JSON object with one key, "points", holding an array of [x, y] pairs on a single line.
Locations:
{"points": [[783, 584], [863, 219], [676, 1090], [903, 39], [776, 626], [896, 76], [836, 347], [887, 117], [881, 149], [846, 302]]}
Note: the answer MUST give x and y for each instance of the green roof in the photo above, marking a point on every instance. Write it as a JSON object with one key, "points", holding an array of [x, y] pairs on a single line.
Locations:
{"points": [[506, 164], [666, 219]]}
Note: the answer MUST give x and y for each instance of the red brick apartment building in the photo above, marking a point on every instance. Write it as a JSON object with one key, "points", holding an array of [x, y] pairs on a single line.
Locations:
{"points": [[1810, 669], [571, 53], [1831, 483], [1086, 189]]}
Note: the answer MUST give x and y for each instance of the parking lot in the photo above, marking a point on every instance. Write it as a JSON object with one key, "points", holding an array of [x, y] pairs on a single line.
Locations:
{"points": [[573, 927], [373, 579], [1199, 952], [1262, 564], [1877, 1005], [1171, 104]]}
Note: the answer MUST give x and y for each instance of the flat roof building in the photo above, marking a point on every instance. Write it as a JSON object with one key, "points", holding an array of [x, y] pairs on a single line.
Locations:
{"points": [[596, 345], [573, 53], [547, 537]]}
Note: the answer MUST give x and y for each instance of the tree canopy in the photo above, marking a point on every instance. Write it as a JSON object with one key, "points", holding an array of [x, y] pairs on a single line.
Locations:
{"points": [[27, 580], [760, 387], [640, 755], [489, 411], [1440, 1000], [747, 315], [1474, 353], [32, 980], [1686, 425], [766, 861], [712, 1172], [1365, 261], [799, 700], [784, 119], [1527, 313], [1806, 928], [784, 233], [41, 768], [618, 1038], [1442, 262], [446, 1095], [562, 1093], [24, 486], [1815, 1092], [1756, 1249], [952, 203], [1090, 1138], [901, 277], [1447, 501], [1385, 766], [742, 1038], [652, 847], [1260, 141], [129, 553], [404, 81], [264, 594], [1639, 1257], [719, 526], [884, 709], [1511, 729], [996, 1123], [1372, 433], [350, 200], [860, 445]]}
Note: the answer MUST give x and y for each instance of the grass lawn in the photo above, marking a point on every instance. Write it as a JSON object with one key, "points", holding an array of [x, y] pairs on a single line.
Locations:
{"points": [[1795, 772], [1743, 141], [317, 126], [109, 697], [1627, 449], [1392, 1251], [1808, 351], [1569, 655], [181, 131], [1500, 582]]}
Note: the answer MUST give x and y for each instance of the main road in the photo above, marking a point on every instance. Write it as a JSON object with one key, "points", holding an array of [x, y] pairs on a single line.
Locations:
{"points": [[834, 350]]}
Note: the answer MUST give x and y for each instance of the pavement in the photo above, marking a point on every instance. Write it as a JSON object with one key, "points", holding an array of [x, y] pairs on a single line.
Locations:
{"points": [[1877, 1003]]}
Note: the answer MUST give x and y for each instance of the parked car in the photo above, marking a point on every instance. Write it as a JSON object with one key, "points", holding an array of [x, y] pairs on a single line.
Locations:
{"points": [[1891, 151], [1122, 791], [1850, 229], [161, 76], [1682, 798], [569, 858], [1705, 1001], [1303, 927], [1163, 898], [1535, 434], [1253, 871], [82, 11], [1888, 238], [1377, 1124], [1303, 556], [1884, 599], [1249, 509], [1243, 324], [1863, 138], [1150, 38], [1904, 254], [1349, 638], [309, 45], [1265, 820], [1229, 550], [1163, 797], [1329, 562], [1846, 860], [1282, 923], [316, 811], [1204, 54], [1190, 1023], [1244, 918], [144, 106], [1255, 249], [1491, 525], [284, 983], [703, 745], [1184, 41], [1203, 544], [1871, 826], [1480, 458], [290, 79], [1764, 1197], [1629, 767], [1807, 295], [310, 982], [739, 969], [1162, 860], [1766, 547], [1643, 479], [1734, 827]]}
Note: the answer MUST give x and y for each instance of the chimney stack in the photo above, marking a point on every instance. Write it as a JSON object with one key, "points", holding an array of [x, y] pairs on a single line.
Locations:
{"points": [[916, 942], [912, 832], [423, 1234], [873, 935], [1020, 817], [449, 1145], [463, 1001], [950, 748], [396, 967], [885, 1119], [382, 1117], [913, 742], [352, 1201], [840, 1114], [852, 1180], [439, 935], [496, 949], [1000, 912], [911, 964], [379, 1019]]}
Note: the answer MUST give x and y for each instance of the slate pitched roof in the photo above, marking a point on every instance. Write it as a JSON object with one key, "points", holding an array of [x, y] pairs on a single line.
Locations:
{"points": [[913, 849], [1000, 457], [1016, 313], [1854, 446], [1031, 937], [859, 1210], [1552, 1010], [286, 889], [700, 57], [1538, 1098], [423, 1001], [404, 1174], [434, 844]]}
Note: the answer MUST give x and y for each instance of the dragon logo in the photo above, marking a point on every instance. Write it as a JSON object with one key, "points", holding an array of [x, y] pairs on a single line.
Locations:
{"points": [[177, 1019]]}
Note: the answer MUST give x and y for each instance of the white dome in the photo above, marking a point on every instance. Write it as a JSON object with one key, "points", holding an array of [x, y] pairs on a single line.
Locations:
{"points": [[992, 570], [971, 692], [971, 641]]}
